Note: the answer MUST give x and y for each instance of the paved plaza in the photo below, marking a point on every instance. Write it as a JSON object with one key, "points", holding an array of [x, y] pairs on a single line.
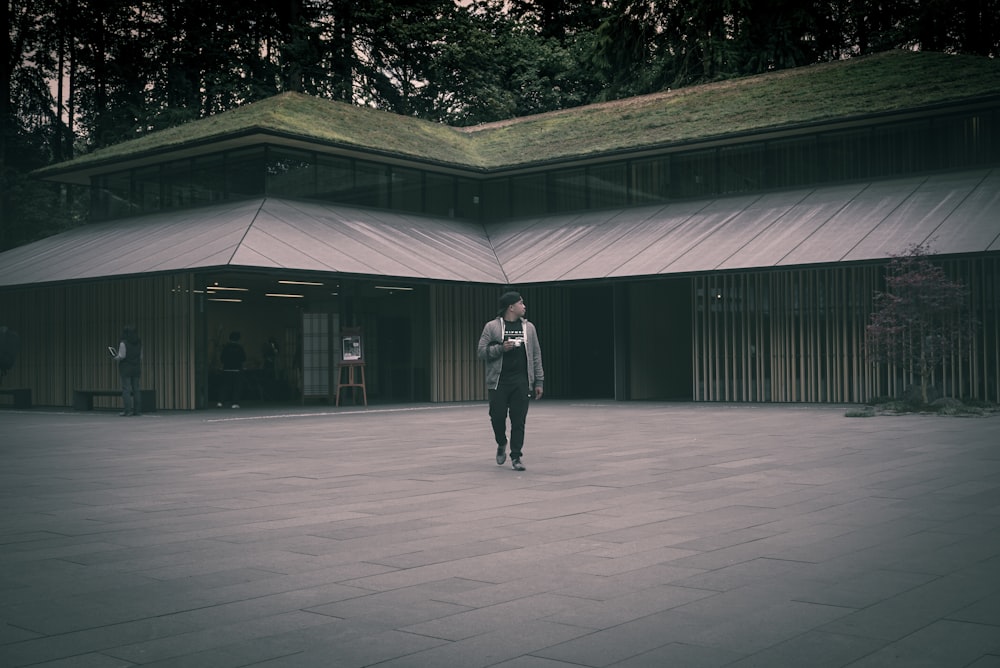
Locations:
{"points": [[642, 535]]}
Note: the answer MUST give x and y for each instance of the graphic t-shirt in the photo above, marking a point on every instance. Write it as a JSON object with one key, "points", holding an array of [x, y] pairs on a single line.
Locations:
{"points": [[515, 360]]}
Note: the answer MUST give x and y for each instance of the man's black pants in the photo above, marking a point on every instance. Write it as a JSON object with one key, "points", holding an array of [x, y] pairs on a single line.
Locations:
{"points": [[232, 386], [512, 399]]}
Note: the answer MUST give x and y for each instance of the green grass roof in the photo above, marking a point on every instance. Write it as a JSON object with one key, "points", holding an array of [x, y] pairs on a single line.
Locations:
{"points": [[879, 83]]}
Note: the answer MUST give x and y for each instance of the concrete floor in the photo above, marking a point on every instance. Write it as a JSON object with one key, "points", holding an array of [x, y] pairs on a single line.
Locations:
{"points": [[641, 535]]}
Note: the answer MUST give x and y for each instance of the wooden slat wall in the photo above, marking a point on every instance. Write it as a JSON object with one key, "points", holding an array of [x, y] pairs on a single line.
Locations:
{"points": [[65, 331], [976, 372], [547, 309], [990, 301], [783, 336], [799, 336], [458, 314]]}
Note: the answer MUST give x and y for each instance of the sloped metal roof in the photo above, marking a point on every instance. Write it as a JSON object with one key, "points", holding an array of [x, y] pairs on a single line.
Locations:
{"points": [[175, 241], [267, 233], [954, 213], [321, 237]]}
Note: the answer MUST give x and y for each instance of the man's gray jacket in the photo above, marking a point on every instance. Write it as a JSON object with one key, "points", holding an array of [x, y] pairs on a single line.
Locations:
{"points": [[490, 350]]}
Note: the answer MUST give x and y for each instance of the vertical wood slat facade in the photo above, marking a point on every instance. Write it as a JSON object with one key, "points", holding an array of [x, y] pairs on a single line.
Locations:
{"points": [[795, 335], [458, 314], [65, 332], [799, 336], [548, 310]]}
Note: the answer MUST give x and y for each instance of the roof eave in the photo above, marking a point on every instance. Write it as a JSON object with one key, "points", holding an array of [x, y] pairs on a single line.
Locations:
{"points": [[81, 174]]}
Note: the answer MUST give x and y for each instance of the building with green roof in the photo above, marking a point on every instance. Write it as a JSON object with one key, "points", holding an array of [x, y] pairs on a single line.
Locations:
{"points": [[715, 243]]}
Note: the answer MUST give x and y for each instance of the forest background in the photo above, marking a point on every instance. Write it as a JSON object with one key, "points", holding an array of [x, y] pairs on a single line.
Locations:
{"points": [[79, 75]]}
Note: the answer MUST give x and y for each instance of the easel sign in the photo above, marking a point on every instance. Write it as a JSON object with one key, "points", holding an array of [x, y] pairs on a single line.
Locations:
{"points": [[351, 348], [352, 358]]}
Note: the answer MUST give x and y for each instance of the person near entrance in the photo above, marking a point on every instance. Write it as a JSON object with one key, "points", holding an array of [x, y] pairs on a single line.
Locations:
{"points": [[233, 357], [129, 358], [509, 347]]}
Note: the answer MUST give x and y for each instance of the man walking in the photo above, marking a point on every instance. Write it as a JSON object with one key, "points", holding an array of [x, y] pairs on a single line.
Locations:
{"points": [[509, 347]]}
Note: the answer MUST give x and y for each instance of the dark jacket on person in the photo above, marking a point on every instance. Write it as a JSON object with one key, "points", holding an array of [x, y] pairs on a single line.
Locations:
{"points": [[129, 354], [233, 357], [130, 358]]}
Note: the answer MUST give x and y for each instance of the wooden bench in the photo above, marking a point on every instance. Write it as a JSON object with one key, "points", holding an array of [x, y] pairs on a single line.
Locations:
{"points": [[22, 396], [83, 400]]}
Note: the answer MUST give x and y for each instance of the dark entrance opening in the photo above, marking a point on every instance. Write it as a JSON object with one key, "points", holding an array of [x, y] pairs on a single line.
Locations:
{"points": [[659, 340], [589, 341]]}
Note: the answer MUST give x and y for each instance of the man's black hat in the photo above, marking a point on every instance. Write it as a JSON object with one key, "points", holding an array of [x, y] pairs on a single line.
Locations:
{"points": [[506, 299]]}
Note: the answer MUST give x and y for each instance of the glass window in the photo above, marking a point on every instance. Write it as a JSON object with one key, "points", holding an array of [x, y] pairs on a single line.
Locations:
{"points": [[113, 199], [334, 178], [178, 189], [650, 180], [792, 162], [467, 199], [845, 155], [407, 190], [208, 176], [899, 149], [965, 141], [495, 203], [528, 195], [146, 188], [569, 190], [440, 194], [290, 173], [991, 134], [607, 186], [741, 168], [245, 172], [98, 198], [693, 174], [371, 185]]}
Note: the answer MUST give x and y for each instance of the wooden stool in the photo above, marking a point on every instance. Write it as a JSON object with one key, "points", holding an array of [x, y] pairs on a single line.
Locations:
{"points": [[351, 380]]}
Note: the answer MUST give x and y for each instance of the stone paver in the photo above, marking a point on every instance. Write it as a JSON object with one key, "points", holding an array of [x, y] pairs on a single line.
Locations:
{"points": [[642, 534]]}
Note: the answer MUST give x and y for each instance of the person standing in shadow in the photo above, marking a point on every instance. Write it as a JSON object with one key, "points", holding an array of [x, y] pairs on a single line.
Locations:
{"points": [[233, 358], [269, 352], [129, 359]]}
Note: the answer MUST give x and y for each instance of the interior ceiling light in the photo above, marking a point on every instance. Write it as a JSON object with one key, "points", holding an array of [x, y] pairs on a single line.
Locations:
{"points": [[278, 294], [221, 287], [223, 299], [391, 287], [299, 283]]}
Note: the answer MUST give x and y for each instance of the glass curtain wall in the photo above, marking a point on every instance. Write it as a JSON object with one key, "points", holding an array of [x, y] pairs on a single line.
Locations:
{"points": [[245, 172], [874, 151]]}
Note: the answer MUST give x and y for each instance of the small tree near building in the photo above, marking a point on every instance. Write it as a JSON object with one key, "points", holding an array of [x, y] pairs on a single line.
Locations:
{"points": [[922, 318]]}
